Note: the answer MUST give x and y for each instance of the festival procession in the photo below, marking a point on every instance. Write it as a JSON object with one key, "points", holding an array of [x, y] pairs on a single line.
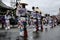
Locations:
{"points": [[23, 24]]}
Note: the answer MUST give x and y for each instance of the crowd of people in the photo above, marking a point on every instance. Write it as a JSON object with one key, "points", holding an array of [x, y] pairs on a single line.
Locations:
{"points": [[33, 18], [7, 20], [23, 18], [50, 21]]}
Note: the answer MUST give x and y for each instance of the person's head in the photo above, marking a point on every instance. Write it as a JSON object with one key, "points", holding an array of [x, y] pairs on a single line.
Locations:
{"points": [[51, 16], [17, 4], [37, 12], [33, 8], [37, 7], [31, 17]]}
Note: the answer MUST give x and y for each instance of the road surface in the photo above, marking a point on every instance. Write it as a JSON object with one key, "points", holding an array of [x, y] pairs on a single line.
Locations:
{"points": [[49, 34]]}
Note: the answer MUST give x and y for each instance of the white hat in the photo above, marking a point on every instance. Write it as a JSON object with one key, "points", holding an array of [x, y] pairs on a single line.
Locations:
{"points": [[22, 18], [34, 20]]}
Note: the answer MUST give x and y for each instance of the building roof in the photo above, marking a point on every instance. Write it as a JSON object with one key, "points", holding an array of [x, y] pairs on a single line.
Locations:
{"points": [[23, 4], [2, 5]]}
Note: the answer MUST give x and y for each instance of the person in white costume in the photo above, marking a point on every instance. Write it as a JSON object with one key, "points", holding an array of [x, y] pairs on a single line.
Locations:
{"points": [[51, 22], [33, 19], [22, 22], [7, 17]]}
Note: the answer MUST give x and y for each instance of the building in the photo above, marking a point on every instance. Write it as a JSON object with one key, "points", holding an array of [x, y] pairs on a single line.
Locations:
{"points": [[4, 7], [59, 12], [10, 3], [7, 2], [58, 16], [13, 3]]}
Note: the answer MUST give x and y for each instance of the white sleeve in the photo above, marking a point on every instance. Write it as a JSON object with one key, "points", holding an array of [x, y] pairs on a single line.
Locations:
{"points": [[5, 17]]}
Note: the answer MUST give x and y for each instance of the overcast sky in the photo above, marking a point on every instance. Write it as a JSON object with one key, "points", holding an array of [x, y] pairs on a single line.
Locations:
{"points": [[46, 6]]}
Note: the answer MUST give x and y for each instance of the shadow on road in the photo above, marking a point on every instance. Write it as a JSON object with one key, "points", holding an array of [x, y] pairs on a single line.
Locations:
{"points": [[21, 38], [36, 35]]}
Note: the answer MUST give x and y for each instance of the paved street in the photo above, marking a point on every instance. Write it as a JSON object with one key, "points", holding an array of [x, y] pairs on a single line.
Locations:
{"points": [[50, 34]]}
